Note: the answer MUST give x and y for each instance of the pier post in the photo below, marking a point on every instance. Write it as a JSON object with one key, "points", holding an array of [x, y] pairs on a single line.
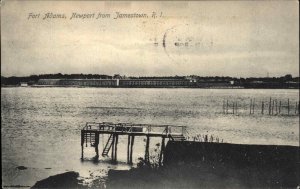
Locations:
{"points": [[232, 107], [97, 144], [82, 142], [162, 149], [86, 139], [262, 107], [128, 149], [147, 150], [113, 148], [90, 138], [116, 147], [131, 149]]}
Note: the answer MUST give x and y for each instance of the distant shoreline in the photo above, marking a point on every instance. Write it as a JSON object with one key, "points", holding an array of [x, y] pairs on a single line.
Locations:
{"points": [[118, 81], [136, 87]]}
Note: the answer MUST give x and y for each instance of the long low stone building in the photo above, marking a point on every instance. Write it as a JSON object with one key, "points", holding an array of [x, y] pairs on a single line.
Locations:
{"points": [[118, 82], [80, 82], [155, 82]]}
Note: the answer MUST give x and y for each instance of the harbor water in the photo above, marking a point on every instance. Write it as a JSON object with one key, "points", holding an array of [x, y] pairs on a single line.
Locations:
{"points": [[41, 126]]}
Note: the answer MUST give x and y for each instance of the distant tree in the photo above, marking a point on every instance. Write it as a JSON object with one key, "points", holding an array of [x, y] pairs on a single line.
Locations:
{"points": [[288, 77]]}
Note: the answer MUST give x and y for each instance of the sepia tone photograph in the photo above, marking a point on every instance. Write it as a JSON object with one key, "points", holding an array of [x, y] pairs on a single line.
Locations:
{"points": [[150, 94]]}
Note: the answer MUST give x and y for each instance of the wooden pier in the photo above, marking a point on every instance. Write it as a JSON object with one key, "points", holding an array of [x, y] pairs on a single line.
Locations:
{"points": [[90, 134]]}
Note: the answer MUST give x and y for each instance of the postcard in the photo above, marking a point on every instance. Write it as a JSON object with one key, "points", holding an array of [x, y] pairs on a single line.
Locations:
{"points": [[150, 94]]}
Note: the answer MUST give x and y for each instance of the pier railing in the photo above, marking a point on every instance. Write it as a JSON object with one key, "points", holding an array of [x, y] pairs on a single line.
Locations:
{"points": [[135, 128]]}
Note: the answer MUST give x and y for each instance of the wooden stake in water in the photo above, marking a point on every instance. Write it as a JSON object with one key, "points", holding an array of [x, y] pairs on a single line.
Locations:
{"points": [[253, 106], [250, 105], [270, 106], [226, 106], [288, 106], [236, 107], [223, 107], [276, 106], [273, 107], [279, 109], [233, 108], [262, 107]]}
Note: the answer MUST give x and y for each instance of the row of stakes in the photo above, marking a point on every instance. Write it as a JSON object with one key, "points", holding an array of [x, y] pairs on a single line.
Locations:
{"points": [[273, 107]]}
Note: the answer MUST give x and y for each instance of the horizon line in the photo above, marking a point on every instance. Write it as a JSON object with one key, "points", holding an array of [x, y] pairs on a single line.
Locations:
{"points": [[268, 76]]}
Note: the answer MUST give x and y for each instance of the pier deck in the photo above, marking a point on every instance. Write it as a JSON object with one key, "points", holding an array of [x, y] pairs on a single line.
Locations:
{"points": [[91, 134]]}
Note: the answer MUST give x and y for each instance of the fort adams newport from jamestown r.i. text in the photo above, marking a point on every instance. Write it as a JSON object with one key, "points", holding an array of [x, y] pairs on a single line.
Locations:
{"points": [[74, 16]]}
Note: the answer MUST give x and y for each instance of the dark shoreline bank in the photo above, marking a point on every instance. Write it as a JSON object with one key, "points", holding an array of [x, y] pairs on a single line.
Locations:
{"points": [[205, 165], [216, 165]]}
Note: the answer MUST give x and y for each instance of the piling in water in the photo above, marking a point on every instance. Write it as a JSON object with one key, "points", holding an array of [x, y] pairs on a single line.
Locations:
{"points": [[273, 107], [253, 106], [276, 107], [288, 106], [250, 105], [270, 106], [226, 106], [279, 109]]}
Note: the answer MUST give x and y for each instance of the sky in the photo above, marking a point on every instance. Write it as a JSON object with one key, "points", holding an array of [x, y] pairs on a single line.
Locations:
{"points": [[206, 38]]}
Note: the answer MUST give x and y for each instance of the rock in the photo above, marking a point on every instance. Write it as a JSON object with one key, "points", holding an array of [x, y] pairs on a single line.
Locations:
{"points": [[21, 167], [64, 180]]}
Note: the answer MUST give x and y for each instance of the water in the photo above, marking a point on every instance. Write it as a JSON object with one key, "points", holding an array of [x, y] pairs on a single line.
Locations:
{"points": [[41, 126]]}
